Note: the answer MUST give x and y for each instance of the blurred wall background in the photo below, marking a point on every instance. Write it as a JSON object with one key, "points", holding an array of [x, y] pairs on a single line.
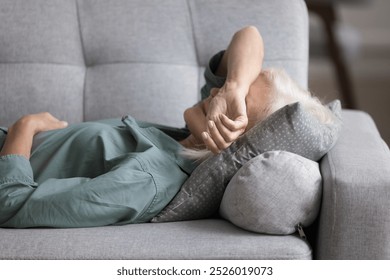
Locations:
{"points": [[363, 33]]}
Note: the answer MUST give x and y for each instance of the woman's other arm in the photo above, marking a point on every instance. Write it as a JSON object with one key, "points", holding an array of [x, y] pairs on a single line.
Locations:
{"points": [[20, 135], [16, 174]]}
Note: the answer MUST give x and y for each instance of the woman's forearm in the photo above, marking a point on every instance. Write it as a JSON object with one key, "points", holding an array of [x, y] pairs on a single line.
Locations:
{"points": [[241, 65], [242, 61], [21, 134], [19, 140]]}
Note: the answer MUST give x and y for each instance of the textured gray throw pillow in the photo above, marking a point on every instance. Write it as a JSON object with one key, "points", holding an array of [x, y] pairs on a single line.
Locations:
{"points": [[290, 129], [273, 193]]}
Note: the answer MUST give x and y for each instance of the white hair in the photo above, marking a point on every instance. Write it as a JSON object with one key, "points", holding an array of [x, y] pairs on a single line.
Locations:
{"points": [[282, 91], [196, 154]]}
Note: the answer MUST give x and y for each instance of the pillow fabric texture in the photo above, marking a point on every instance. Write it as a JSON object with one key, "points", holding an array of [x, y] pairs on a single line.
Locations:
{"points": [[291, 129], [273, 193]]}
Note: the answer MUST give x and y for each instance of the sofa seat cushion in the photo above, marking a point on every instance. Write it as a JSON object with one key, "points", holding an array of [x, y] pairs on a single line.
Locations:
{"points": [[202, 239]]}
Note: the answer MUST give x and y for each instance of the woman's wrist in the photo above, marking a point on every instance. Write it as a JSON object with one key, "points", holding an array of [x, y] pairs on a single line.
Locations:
{"points": [[237, 87], [20, 135], [25, 125], [19, 140]]}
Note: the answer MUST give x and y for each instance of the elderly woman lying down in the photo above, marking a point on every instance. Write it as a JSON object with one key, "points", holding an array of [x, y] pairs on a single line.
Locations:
{"points": [[126, 171]]}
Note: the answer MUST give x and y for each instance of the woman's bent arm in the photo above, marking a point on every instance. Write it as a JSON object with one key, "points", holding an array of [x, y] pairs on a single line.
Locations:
{"points": [[241, 64], [20, 135], [242, 61], [19, 141]]}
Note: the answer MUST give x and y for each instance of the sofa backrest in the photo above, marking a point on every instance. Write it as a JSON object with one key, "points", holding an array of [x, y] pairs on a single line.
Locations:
{"points": [[93, 59]]}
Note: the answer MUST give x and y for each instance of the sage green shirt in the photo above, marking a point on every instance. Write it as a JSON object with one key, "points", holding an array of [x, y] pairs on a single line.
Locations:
{"points": [[92, 174], [95, 173]]}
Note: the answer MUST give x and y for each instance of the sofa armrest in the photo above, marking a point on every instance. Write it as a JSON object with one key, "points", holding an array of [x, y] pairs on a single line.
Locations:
{"points": [[355, 213]]}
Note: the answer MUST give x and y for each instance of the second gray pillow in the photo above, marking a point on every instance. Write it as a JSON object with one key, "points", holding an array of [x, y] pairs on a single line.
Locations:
{"points": [[273, 193]]}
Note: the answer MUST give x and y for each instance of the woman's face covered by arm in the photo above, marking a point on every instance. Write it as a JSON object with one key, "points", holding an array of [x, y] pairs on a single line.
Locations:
{"points": [[196, 117]]}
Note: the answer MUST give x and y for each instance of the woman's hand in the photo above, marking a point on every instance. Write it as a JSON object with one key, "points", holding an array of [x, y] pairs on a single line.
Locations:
{"points": [[221, 119], [20, 135], [40, 122], [227, 117]]}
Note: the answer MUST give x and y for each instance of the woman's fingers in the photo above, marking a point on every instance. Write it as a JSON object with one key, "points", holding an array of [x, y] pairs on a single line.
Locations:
{"points": [[61, 124], [217, 137], [229, 130], [210, 144], [46, 121], [239, 124], [223, 132]]}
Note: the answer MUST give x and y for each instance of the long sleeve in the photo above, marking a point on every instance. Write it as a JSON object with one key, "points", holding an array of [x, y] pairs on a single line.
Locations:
{"points": [[212, 80], [91, 174], [114, 197], [16, 184]]}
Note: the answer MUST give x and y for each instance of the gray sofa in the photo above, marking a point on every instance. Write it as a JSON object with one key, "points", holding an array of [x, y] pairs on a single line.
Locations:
{"points": [[93, 59]]}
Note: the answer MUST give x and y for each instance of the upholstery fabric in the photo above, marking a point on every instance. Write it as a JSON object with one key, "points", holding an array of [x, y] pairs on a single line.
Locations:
{"points": [[273, 193], [202, 239], [85, 60], [355, 216], [41, 61]]}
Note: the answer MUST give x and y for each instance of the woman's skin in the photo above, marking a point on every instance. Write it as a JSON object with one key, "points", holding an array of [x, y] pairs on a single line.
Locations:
{"points": [[219, 120], [196, 118], [214, 123], [20, 135]]}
